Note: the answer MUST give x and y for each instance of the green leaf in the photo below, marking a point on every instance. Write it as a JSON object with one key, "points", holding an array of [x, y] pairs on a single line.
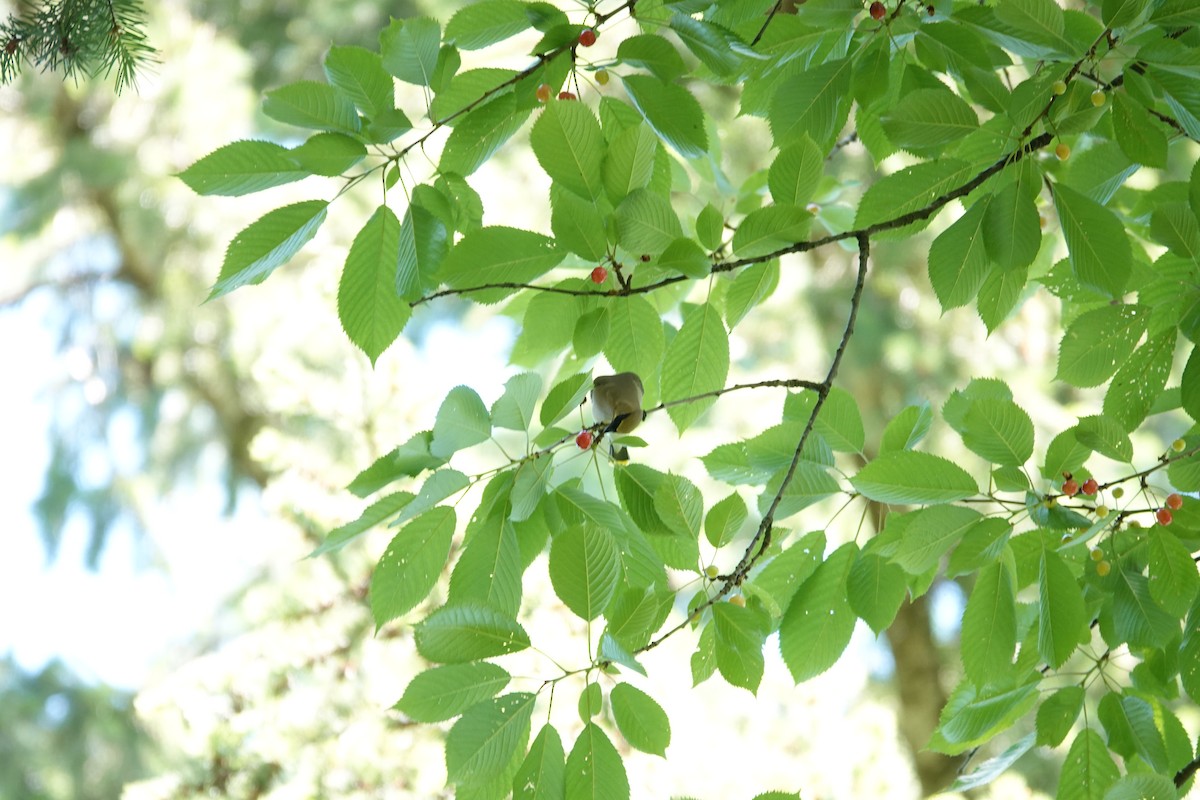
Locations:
{"points": [[1174, 580], [635, 336], [925, 120], [652, 53], [710, 227], [1105, 436], [529, 487], [908, 190], [784, 574], [1119, 13], [411, 564], [478, 25], [564, 398], [488, 572], [1137, 133], [629, 162], [443, 693], [1135, 617], [704, 660], [875, 589], [591, 332], [696, 362], [329, 154], [514, 409], [1140, 381], [483, 742], [308, 104], [999, 431], [973, 716], [818, 622], [371, 312], [686, 257], [994, 767], [480, 133], [796, 172], [1011, 228], [725, 519], [542, 775], [242, 167], [1098, 342], [578, 224], [636, 614], [499, 255], [640, 720], [811, 102], [717, 48], [409, 49], [1088, 769], [375, 513], [671, 111], [930, 533], [741, 633], [612, 650], [456, 634], [267, 243], [437, 487], [680, 506], [462, 422], [958, 259], [1062, 617], [766, 230], [595, 770], [1096, 242], [752, 285], [569, 145], [810, 484], [906, 476], [999, 294], [1175, 226], [646, 223], [1057, 714], [584, 569], [359, 75], [989, 627], [424, 242], [1141, 787], [906, 430]]}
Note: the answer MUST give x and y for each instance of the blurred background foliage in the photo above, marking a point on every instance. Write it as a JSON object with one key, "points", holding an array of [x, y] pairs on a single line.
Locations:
{"points": [[269, 679]]}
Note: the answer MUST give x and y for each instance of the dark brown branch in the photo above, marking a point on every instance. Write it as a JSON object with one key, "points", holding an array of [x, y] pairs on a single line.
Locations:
{"points": [[762, 537], [770, 16], [789, 383], [1185, 774]]}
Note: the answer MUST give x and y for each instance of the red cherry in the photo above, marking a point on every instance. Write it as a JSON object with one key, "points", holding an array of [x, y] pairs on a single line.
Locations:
{"points": [[587, 37], [584, 440], [543, 93], [1070, 488], [599, 275], [878, 10], [1090, 487], [567, 96], [1175, 502], [1163, 516]]}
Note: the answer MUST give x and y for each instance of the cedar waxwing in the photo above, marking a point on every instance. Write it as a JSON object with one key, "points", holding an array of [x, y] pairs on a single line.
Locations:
{"points": [[617, 400]]}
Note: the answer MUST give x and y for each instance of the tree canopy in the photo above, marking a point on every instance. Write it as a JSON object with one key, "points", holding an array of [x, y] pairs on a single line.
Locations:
{"points": [[1023, 150]]}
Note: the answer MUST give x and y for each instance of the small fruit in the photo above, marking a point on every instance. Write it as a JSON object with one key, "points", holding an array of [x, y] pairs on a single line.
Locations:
{"points": [[1062, 151], [602, 77], [930, 10], [1070, 487], [711, 571], [599, 275], [878, 10], [584, 440], [1178, 445], [738, 600], [1101, 512], [813, 208], [645, 258], [1174, 502], [1164, 516], [1103, 568], [1059, 88], [1098, 98], [1090, 487], [543, 93], [1097, 554], [1118, 493], [567, 96], [587, 37]]}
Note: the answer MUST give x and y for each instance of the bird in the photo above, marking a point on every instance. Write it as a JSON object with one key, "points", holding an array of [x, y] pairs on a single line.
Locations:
{"points": [[617, 400]]}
